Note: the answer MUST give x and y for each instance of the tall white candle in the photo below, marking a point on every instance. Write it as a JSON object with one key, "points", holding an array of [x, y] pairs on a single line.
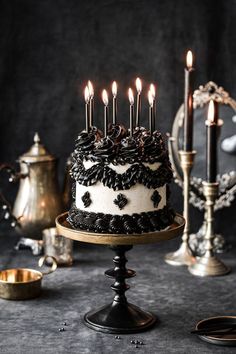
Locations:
{"points": [[131, 110], [153, 92], [138, 83], [150, 100], [91, 102], [86, 98], [106, 102], [114, 93]]}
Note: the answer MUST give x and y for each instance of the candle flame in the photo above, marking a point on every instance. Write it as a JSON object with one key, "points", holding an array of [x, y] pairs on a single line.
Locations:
{"points": [[153, 91], [86, 94], [105, 97], [91, 90], [150, 98], [114, 88], [138, 83], [211, 111], [131, 96], [189, 59]]}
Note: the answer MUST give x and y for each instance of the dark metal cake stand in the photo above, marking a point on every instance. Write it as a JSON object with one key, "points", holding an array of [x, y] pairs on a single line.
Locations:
{"points": [[120, 316]]}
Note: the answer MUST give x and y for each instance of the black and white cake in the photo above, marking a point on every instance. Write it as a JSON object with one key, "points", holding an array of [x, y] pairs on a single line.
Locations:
{"points": [[121, 182]]}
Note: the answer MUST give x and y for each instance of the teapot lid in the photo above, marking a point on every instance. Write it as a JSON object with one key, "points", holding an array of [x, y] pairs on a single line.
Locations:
{"points": [[37, 152]]}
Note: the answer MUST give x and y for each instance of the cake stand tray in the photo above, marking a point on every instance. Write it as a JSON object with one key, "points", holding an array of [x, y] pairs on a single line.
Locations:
{"points": [[120, 316], [65, 229]]}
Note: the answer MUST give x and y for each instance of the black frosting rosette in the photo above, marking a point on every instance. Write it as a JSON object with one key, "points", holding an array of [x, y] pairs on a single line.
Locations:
{"points": [[84, 144], [139, 132], [153, 147], [96, 132], [129, 151], [117, 132], [105, 150]]}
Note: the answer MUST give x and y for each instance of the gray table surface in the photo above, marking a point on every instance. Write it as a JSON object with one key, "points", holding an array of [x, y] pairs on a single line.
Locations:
{"points": [[172, 293]]}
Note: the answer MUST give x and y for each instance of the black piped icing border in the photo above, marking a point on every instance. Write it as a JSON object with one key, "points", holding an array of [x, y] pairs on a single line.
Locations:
{"points": [[137, 173], [117, 224]]}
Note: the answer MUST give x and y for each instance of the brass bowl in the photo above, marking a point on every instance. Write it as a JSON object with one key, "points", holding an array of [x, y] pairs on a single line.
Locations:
{"points": [[23, 283]]}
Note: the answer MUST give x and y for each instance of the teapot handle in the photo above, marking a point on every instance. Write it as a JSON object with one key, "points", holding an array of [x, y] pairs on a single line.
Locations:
{"points": [[14, 176], [6, 206], [53, 267]]}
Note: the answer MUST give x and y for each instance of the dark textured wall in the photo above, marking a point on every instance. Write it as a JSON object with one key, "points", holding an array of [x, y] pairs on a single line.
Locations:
{"points": [[48, 50]]}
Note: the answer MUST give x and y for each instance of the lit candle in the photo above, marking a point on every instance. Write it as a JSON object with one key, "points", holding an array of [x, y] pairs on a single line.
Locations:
{"points": [[131, 110], [86, 98], [153, 92], [150, 100], [114, 93], [138, 83], [91, 102], [211, 142], [216, 112], [105, 101], [188, 104]]}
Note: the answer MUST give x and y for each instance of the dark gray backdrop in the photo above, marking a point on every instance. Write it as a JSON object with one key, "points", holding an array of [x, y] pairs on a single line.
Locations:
{"points": [[48, 50]]}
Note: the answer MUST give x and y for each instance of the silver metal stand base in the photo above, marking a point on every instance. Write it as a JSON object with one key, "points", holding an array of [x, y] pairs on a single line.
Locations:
{"points": [[208, 266], [183, 256]]}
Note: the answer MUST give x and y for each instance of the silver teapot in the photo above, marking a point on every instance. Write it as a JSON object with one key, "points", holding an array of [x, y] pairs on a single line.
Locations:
{"points": [[39, 199]]}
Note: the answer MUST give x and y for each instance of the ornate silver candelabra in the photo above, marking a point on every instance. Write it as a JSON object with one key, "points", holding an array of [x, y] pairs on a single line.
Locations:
{"points": [[183, 256], [227, 181], [209, 264]]}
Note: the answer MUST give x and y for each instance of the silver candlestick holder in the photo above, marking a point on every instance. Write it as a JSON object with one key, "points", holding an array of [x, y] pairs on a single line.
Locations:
{"points": [[209, 264], [184, 256]]}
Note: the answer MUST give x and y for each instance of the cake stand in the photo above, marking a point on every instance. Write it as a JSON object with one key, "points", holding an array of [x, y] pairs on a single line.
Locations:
{"points": [[120, 316]]}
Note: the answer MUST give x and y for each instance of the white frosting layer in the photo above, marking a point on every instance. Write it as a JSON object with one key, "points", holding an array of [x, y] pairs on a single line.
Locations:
{"points": [[122, 168], [102, 197], [138, 196]]}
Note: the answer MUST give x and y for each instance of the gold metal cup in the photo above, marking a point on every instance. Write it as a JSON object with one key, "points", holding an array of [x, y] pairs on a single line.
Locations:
{"points": [[183, 256], [209, 264], [23, 283]]}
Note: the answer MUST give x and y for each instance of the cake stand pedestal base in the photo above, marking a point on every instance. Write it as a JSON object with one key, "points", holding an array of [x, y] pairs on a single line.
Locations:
{"points": [[120, 316]]}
